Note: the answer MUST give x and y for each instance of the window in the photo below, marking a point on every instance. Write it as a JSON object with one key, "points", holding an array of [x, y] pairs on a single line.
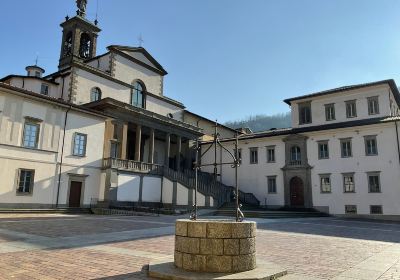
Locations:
{"points": [[44, 89], [295, 155], [79, 144], [376, 209], [348, 183], [25, 181], [271, 184], [373, 105], [253, 155], [351, 109], [330, 112], [345, 145], [85, 46], [325, 183], [95, 94], [374, 185], [271, 154], [31, 134], [114, 149], [350, 209], [67, 49], [323, 150], [304, 113], [371, 148], [137, 95], [37, 74]]}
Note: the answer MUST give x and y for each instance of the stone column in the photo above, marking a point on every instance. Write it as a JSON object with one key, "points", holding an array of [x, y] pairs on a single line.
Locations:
{"points": [[138, 142], [167, 149], [151, 146], [179, 152], [124, 140]]}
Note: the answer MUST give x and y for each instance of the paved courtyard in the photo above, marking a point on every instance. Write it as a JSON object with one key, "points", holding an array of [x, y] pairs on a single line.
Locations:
{"points": [[115, 247]]}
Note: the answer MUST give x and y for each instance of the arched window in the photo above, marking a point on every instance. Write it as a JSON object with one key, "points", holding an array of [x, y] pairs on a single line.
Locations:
{"points": [[85, 46], [137, 95], [95, 94], [67, 51], [295, 154]]}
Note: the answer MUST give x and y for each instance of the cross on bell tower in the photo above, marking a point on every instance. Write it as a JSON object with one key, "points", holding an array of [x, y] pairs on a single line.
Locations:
{"points": [[79, 38]]}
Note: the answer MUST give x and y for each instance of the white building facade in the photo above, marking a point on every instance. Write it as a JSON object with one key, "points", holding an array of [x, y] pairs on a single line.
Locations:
{"points": [[341, 155]]}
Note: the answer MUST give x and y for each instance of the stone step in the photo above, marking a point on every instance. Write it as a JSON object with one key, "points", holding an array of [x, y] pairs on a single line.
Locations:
{"points": [[271, 214], [47, 211]]}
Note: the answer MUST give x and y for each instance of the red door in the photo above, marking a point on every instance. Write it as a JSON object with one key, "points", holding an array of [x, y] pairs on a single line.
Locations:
{"points": [[75, 194], [296, 192]]}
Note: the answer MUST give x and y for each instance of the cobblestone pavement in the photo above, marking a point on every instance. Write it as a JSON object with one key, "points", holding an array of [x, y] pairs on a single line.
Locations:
{"points": [[103, 247]]}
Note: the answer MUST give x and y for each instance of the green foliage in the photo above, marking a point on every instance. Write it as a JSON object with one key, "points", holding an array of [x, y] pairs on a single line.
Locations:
{"points": [[262, 122]]}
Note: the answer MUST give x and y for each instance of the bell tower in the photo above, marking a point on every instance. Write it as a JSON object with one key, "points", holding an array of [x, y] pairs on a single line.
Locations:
{"points": [[79, 38]]}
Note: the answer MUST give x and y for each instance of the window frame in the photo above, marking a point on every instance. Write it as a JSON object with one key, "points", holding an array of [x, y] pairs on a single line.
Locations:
{"points": [[135, 90], [374, 174], [368, 138], [372, 206], [74, 145], [98, 92], [345, 140], [325, 176], [31, 183], [272, 189], [373, 99], [320, 144], [32, 122], [330, 115], [253, 160], [302, 106], [350, 212], [344, 175], [273, 158], [46, 87], [351, 102]]}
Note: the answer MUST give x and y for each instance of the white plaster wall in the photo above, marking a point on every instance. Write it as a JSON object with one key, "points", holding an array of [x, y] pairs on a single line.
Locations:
{"points": [[128, 187], [387, 162], [151, 189], [167, 190], [102, 63], [35, 85], [360, 95], [182, 195], [163, 108]]}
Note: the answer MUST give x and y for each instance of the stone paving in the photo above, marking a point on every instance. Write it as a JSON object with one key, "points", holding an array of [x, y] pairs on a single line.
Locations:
{"points": [[103, 247]]}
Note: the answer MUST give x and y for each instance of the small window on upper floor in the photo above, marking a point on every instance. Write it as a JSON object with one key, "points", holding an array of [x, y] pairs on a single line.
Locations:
{"points": [[330, 112], [351, 109], [44, 89], [95, 94], [137, 95], [253, 155], [323, 150], [371, 146], [79, 145], [373, 105], [37, 74], [31, 134], [271, 154], [295, 155], [305, 113]]}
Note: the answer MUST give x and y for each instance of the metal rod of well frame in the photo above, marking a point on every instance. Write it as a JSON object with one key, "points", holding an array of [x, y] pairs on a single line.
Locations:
{"points": [[236, 176], [196, 178]]}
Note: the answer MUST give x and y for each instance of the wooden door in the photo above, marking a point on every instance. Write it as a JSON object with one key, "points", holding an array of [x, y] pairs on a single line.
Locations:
{"points": [[296, 192], [75, 194]]}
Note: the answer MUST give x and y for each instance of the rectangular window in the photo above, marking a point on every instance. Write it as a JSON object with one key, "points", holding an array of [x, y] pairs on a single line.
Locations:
{"points": [[351, 109], [114, 149], [305, 113], [376, 209], [350, 209], [31, 135], [374, 184], [371, 147], [323, 150], [271, 184], [348, 183], [253, 155], [271, 154], [25, 181], [330, 112], [325, 183], [373, 105], [79, 144], [345, 145], [44, 89]]}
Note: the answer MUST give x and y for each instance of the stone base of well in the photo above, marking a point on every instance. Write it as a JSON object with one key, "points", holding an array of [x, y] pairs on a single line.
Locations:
{"points": [[165, 269]]}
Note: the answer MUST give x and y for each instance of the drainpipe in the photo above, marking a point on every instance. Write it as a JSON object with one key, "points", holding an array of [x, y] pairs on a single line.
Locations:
{"points": [[397, 139], [62, 155]]}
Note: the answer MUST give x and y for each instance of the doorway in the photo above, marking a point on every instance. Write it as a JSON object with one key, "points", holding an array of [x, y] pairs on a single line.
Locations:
{"points": [[75, 193], [296, 192]]}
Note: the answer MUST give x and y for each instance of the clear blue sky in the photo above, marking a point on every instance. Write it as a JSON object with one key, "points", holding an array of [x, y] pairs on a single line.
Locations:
{"points": [[226, 59]]}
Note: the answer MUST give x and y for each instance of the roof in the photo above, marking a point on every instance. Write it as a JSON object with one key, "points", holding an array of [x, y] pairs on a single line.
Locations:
{"points": [[35, 67], [59, 102], [297, 130], [391, 83], [27, 77], [219, 124], [119, 49]]}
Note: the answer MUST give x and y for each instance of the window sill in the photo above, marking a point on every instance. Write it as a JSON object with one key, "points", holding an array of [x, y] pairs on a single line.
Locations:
{"points": [[349, 192], [375, 192], [372, 155], [323, 158], [325, 192], [78, 156], [23, 194], [271, 161]]}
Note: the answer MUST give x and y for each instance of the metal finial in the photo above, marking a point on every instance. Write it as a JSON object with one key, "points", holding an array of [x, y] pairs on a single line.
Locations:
{"points": [[140, 40]]}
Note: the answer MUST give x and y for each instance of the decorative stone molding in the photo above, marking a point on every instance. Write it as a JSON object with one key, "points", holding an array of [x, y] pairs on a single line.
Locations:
{"points": [[223, 246]]}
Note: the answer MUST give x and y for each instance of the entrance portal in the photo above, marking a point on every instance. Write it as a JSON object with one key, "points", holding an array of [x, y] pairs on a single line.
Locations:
{"points": [[296, 192], [75, 194]]}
